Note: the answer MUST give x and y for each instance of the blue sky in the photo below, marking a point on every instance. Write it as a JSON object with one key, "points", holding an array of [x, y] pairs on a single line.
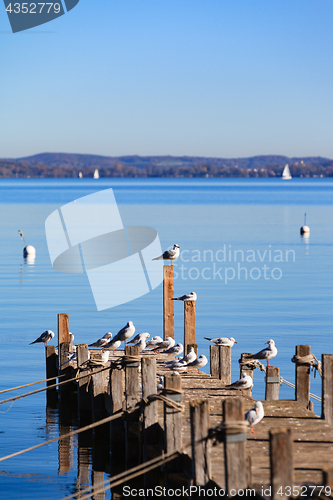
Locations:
{"points": [[228, 78]]}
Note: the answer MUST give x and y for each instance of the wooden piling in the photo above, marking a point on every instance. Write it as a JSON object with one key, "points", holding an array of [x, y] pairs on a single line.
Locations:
{"points": [[116, 390], [168, 304], [63, 329], [302, 377], [84, 399], [272, 381], [220, 363], [201, 446], [132, 378], [51, 371], [148, 373], [172, 416], [235, 445], [281, 460], [189, 323], [98, 395], [327, 388]]}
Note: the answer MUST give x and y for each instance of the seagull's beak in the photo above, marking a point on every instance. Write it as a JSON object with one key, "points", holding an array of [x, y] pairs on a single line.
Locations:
{"points": [[266, 342], [235, 342]]}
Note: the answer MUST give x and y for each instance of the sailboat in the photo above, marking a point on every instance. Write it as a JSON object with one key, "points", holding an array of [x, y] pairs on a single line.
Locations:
{"points": [[286, 173], [80, 175], [96, 174]]}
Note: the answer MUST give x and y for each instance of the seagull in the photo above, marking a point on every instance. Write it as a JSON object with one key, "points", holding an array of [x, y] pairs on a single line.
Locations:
{"points": [[44, 337], [141, 345], [126, 332], [245, 382], [114, 344], [102, 341], [154, 341], [223, 341], [105, 356], [176, 349], [179, 366], [165, 344], [200, 362], [170, 254], [267, 353], [140, 336], [254, 416], [190, 357], [187, 297]]}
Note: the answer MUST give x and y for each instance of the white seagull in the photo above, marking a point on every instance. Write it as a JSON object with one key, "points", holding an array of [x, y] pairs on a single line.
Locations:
{"points": [[165, 344], [200, 362], [186, 297], [245, 382], [154, 341], [44, 337], [125, 333], [190, 357], [170, 254], [223, 341], [140, 336], [102, 341], [254, 416], [113, 345], [176, 349], [179, 366], [267, 353], [141, 345]]}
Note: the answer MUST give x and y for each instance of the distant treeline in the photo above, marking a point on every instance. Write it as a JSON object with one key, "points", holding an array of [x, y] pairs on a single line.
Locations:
{"points": [[20, 168]]}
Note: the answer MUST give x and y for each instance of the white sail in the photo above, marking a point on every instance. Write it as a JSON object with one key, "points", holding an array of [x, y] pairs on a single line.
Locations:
{"points": [[96, 174], [286, 173], [80, 175]]}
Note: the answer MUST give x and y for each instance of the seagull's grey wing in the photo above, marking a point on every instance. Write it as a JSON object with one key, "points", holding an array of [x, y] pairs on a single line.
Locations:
{"points": [[250, 416], [169, 253]]}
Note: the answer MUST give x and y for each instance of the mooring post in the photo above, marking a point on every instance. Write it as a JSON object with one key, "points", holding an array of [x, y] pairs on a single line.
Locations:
{"points": [[150, 414], [98, 396], [132, 377], [302, 377], [63, 331], [168, 304], [131, 419], [201, 445], [117, 431], [281, 460], [234, 444], [247, 369], [327, 388], [272, 380], [220, 363], [172, 416], [84, 399], [189, 323], [51, 372]]}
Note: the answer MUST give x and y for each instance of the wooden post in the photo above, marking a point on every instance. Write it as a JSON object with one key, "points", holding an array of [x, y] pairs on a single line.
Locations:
{"points": [[98, 396], [84, 399], [148, 372], [172, 417], [117, 431], [327, 388], [132, 378], [281, 459], [168, 304], [220, 363], [272, 380], [63, 331], [189, 323], [247, 369], [235, 446], [302, 377], [201, 447], [51, 371], [116, 390]]}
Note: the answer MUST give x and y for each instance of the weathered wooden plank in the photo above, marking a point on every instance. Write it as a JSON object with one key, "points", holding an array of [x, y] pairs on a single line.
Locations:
{"points": [[214, 361], [84, 398], [327, 388], [225, 364], [148, 373], [132, 378], [116, 390], [63, 331], [189, 323], [302, 377], [51, 371], [172, 416], [281, 461], [98, 391], [272, 381], [235, 446], [168, 304], [201, 447]]}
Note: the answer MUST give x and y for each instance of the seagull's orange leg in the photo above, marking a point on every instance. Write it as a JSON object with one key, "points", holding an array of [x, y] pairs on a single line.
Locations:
{"points": [[253, 432], [267, 362]]}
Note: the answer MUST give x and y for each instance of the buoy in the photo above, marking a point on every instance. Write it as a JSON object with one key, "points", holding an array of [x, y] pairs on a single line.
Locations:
{"points": [[305, 229], [29, 250]]}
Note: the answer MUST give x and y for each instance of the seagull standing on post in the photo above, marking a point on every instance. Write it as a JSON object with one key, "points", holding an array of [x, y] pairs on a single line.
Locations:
{"points": [[186, 297], [267, 353], [44, 337], [170, 254]]}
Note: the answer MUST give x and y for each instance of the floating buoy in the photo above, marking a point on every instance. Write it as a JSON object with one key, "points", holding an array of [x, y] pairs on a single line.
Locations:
{"points": [[305, 229], [29, 250]]}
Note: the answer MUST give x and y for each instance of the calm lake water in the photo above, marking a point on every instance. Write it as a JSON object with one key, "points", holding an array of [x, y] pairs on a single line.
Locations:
{"points": [[228, 230]]}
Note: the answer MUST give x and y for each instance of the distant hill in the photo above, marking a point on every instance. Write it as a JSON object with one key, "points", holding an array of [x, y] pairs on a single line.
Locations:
{"points": [[69, 165]]}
